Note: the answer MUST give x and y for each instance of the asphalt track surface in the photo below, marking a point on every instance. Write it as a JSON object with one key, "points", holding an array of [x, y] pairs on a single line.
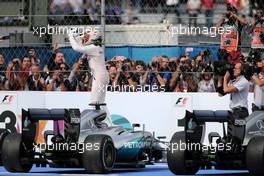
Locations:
{"points": [[157, 169]]}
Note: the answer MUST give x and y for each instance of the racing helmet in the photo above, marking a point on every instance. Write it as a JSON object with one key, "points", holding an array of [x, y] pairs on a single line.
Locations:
{"points": [[94, 37]]}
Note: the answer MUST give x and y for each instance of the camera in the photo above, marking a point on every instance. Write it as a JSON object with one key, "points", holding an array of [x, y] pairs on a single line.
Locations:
{"points": [[223, 55], [220, 68], [125, 68], [155, 65], [61, 77], [258, 17], [261, 37], [228, 15], [2, 70], [230, 8], [2, 79], [251, 67], [84, 64], [172, 66]]}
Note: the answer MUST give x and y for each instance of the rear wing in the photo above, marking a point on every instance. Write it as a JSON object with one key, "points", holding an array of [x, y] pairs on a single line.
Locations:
{"points": [[201, 116], [194, 122], [70, 117]]}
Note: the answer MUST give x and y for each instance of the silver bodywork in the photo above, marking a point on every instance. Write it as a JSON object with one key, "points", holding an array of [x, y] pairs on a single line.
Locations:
{"points": [[254, 126], [121, 137]]}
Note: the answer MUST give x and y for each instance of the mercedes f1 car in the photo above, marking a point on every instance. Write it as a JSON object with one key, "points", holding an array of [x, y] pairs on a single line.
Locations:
{"points": [[241, 147], [83, 141]]}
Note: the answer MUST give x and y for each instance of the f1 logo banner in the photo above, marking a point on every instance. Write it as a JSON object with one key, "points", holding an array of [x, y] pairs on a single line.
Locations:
{"points": [[8, 112], [182, 101], [179, 104]]}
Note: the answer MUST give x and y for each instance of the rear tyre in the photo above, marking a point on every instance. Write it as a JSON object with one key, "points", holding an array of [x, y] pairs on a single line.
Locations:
{"points": [[3, 134], [176, 157], [255, 156], [101, 158], [12, 151]]}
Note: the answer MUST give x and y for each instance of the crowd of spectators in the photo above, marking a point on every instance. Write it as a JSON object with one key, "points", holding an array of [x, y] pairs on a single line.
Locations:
{"points": [[162, 74]]}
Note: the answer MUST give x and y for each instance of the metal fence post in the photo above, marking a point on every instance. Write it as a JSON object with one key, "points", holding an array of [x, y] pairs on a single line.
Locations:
{"points": [[103, 23]]}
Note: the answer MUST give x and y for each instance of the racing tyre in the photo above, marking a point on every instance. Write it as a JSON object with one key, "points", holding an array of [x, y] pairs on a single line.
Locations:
{"points": [[176, 158], [255, 156], [3, 134], [101, 158], [12, 151]]}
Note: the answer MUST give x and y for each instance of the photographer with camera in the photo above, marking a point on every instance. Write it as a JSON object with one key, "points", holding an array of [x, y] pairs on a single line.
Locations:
{"points": [[233, 25], [259, 87], [122, 77], [56, 81], [141, 73], [80, 78], [159, 74], [182, 79], [238, 89]]}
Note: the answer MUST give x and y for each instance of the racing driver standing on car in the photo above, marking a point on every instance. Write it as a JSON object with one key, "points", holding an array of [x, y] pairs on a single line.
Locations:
{"points": [[90, 44]]}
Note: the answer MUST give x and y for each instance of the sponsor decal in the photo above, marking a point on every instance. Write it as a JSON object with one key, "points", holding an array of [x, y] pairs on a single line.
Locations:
{"points": [[260, 125]]}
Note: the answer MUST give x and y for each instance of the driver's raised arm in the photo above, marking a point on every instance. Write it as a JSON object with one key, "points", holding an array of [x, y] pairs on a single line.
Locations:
{"points": [[77, 46]]}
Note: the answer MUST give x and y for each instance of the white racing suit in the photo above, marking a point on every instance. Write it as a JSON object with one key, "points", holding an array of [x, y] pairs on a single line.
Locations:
{"points": [[95, 54]]}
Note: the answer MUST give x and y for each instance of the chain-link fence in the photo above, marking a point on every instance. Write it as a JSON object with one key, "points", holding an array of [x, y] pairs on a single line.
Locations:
{"points": [[145, 42]]}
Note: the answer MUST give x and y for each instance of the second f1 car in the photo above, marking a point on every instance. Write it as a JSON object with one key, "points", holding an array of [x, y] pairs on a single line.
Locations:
{"points": [[241, 146]]}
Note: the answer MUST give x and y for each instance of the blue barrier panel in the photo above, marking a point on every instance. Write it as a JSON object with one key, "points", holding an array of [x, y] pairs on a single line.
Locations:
{"points": [[146, 53]]}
